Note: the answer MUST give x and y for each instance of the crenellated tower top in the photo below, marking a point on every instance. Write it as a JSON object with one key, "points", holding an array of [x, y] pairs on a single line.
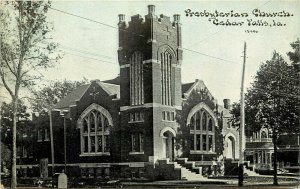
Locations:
{"points": [[148, 35]]}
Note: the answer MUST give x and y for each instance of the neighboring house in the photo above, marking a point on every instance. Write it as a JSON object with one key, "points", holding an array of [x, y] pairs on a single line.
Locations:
{"points": [[260, 151], [140, 122]]}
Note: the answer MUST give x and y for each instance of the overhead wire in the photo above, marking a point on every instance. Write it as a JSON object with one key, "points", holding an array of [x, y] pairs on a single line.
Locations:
{"points": [[140, 35]]}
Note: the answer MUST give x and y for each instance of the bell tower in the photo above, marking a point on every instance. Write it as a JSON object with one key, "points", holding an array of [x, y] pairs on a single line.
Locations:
{"points": [[150, 57]]}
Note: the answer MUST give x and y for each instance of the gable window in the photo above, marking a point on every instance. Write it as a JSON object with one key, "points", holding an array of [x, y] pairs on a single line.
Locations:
{"points": [[210, 125], [263, 134], [203, 118], [202, 132], [198, 121], [95, 131]]}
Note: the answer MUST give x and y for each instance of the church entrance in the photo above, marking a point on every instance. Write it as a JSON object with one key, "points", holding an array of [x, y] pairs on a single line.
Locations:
{"points": [[230, 150], [168, 145]]}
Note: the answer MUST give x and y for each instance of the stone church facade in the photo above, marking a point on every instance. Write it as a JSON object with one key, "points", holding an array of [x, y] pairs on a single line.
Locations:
{"points": [[143, 123]]}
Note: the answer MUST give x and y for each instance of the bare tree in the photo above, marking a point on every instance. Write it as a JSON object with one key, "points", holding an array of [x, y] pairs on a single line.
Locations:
{"points": [[25, 48]]}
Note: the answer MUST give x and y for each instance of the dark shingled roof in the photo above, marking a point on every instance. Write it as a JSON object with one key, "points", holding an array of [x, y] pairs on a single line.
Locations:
{"points": [[112, 87], [186, 86], [116, 81], [76, 94], [71, 98]]}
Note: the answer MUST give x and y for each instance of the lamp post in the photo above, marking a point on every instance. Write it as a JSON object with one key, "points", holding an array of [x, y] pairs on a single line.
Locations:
{"points": [[51, 140], [64, 114]]}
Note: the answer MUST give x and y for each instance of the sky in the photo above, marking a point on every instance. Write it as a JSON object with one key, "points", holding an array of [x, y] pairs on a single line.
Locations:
{"points": [[91, 48]]}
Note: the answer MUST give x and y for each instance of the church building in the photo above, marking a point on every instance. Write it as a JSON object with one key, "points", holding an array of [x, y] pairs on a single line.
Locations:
{"points": [[142, 124]]}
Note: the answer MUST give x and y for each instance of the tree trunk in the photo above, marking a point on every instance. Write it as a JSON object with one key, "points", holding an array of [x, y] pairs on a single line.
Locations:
{"points": [[275, 180], [14, 145]]}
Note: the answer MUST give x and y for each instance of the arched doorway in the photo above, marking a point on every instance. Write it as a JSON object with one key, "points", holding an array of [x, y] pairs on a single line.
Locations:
{"points": [[167, 135], [230, 148]]}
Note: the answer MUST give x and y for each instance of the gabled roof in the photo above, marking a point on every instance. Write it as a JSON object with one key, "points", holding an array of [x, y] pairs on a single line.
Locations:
{"points": [[111, 89], [76, 95], [187, 88], [115, 81], [72, 97]]}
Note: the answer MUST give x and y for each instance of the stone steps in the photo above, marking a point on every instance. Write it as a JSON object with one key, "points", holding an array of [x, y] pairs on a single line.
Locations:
{"points": [[185, 173], [190, 176], [250, 172], [190, 165]]}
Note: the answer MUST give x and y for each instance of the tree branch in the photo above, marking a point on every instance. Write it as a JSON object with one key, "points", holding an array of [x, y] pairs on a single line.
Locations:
{"points": [[14, 63], [9, 67], [6, 86]]}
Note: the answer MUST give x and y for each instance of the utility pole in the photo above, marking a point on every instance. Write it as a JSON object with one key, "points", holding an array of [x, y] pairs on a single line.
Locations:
{"points": [[242, 124]]}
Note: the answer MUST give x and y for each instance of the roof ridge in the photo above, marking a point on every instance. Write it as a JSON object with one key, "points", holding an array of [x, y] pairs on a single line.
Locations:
{"points": [[109, 83]]}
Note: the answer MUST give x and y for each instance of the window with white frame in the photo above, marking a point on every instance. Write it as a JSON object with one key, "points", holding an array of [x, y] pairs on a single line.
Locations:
{"points": [[95, 134], [202, 132]]}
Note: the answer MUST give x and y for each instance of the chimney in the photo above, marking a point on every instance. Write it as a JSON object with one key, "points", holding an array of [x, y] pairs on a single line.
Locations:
{"points": [[227, 103], [121, 18], [151, 9], [176, 17]]}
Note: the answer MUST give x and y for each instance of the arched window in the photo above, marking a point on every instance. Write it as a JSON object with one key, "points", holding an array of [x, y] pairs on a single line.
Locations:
{"points": [[99, 122], [210, 125], [202, 131], [197, 121], [92, 122], [192, 122], [136, 79], [166, 68], [85, 126], [204, 119], [264, 134], [95, 131]]}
